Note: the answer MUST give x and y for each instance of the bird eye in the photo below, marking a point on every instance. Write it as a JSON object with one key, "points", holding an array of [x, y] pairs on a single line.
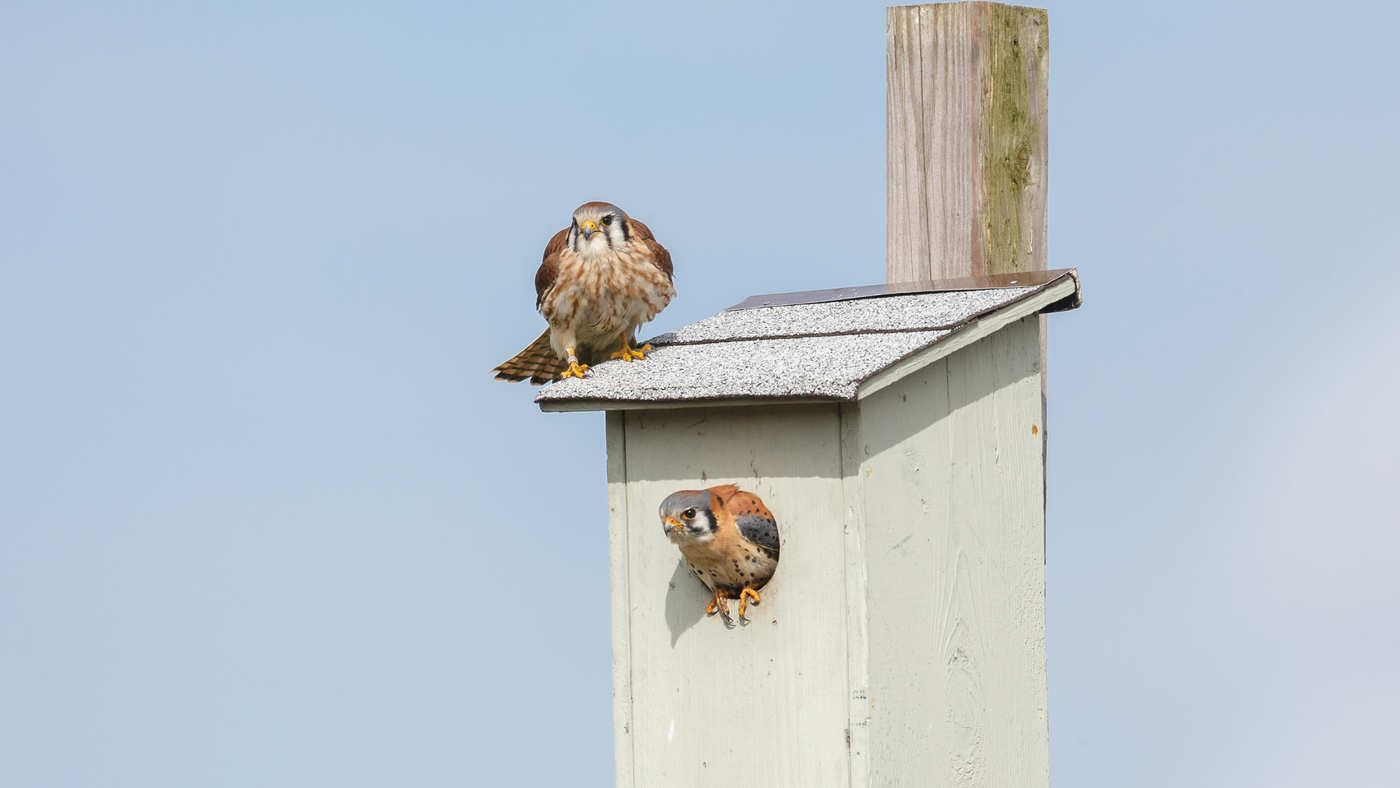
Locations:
{"points": [[688, 514], [607, 219]]}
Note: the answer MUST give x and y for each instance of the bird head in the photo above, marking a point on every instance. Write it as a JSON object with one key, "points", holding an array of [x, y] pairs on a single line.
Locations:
{"points": [[598, 227], [688, 516]]}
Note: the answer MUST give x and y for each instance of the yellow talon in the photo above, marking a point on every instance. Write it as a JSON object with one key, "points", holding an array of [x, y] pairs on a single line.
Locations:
{"points": [[719, 604], [575, 370], [744, 599], [629, 354]]}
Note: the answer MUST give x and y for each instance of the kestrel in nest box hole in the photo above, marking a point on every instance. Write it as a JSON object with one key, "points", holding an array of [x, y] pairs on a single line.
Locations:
{"points": [[729, 540], [602, 277]]}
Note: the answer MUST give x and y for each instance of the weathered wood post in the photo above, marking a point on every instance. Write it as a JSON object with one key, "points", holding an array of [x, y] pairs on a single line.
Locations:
{"points": [[967, 101]]}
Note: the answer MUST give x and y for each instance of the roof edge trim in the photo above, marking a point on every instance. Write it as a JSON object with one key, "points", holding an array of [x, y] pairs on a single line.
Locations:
{"points": [[986, 325], [574, 405], [990, 282]]}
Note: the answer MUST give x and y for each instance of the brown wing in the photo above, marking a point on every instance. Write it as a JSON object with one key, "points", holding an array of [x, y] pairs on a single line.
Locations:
{"points": [[659, 255], [549, 269]]}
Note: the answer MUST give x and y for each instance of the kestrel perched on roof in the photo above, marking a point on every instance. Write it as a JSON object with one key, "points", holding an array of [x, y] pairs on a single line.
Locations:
{"points": [[602, 277], [728, 539]]}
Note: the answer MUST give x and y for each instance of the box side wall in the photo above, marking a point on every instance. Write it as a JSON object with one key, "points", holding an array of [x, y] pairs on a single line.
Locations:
{"points": [[857, 610], [953, 502], [765, 702], [620, 595]]}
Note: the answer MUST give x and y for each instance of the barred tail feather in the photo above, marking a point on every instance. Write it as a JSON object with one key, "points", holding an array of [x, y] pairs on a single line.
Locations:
{"points": [[537, 362]]}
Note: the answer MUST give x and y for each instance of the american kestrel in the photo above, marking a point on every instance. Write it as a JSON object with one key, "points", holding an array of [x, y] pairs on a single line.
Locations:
{"points": [[728, 538], [602, 277]]}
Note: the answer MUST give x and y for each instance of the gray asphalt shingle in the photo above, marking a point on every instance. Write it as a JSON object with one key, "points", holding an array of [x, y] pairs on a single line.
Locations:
{"points": [[823, 350]]}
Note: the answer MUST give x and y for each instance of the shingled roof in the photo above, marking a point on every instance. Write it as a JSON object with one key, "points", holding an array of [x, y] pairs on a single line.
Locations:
{"points": [[824, 345]]}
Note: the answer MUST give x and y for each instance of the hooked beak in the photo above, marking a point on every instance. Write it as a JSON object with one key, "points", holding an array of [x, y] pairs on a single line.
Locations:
{"points": [[589, 229], [671, 524]]}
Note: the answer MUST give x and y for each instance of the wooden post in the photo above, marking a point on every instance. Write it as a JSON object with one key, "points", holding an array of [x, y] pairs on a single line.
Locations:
{"points": [[967, 101]]}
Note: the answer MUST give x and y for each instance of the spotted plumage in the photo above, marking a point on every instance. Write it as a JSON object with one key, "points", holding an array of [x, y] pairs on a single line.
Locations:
{"points": [[728, 539], [602, 277]]}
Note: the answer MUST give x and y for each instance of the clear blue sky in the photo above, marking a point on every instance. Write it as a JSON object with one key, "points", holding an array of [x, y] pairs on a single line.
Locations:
{"points": [[265, 519]]}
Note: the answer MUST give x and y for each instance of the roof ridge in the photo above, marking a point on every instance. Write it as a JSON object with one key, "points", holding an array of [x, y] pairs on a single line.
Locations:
{"points": [[657, 341]]}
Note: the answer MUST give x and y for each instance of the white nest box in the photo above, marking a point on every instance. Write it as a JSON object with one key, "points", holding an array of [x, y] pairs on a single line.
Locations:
{"points": [[898, 437]]}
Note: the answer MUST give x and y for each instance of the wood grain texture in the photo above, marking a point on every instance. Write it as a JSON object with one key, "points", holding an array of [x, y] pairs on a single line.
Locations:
{"points": [[953, 505], [764, 703], [967, 99], [857, 613], [620, 595]]}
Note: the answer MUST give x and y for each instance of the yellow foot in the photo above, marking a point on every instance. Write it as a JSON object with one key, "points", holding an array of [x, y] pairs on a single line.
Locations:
{"points": [[744, 600], [720, 604], [575, 370], [629, 354]]}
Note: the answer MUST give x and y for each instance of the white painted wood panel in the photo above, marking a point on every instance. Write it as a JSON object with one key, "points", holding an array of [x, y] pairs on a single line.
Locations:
{"points": [[765, 703], [953, 502], [617, 581], [857, 612]]}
